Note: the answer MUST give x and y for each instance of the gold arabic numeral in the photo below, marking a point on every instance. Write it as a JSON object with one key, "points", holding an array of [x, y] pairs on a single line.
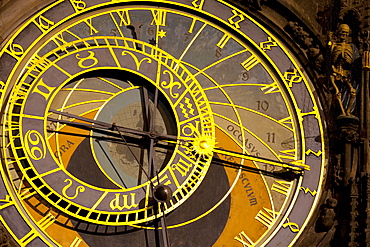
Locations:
{"points": [[244, 239], [308, 191], [159, 17], [282, 186], [262, 105], [250, 62], [187, 108], [15, 50], [76, 242], [43, 23], [266, 217], [43, 89], [78, 5], [35, 145], [43, 224], [266, 45], [236, 18], [223, 41], [88, 61], [124, 17], [89, 23], [292, 77], [271, 88], [294, 227], [171, 84], [79, 189], [124, 201]]}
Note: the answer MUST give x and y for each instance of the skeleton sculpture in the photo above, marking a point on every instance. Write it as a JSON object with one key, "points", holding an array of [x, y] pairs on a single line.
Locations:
{"points": [[342, 57]]}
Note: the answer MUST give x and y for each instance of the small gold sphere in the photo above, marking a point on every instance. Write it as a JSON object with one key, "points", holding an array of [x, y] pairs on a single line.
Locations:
{"points": [[203, 144]]}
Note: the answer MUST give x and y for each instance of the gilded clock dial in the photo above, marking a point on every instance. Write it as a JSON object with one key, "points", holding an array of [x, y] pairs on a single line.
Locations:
{"points": [[105, 101]]}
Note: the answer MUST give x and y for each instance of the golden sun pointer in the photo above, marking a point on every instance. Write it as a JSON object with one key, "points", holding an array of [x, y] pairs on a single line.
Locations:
{"points": [[204, 145]]}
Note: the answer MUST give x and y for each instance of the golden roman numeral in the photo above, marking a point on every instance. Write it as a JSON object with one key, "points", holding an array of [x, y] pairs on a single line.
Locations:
{"points": [[271, 88], [26, 193], [76, 242], [43, 224], [287, 122], [90, 25], [244, 239], [59, 41], [288, 154], [159, 17], [282, 186], [266, 217], [250, 62], [199, 5], [221, 44], [124, 16]]}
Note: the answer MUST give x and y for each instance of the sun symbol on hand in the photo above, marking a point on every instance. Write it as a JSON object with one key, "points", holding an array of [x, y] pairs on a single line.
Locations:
{"points": [[203, 145]]}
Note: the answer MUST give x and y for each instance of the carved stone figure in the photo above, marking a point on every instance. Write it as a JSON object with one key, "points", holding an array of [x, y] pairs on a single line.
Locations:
{"points": [[342, 57]]}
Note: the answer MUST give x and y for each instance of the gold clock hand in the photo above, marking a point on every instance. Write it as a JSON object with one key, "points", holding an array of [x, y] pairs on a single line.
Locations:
{"points": [[286, 174], [295, 165], [108, 126]]}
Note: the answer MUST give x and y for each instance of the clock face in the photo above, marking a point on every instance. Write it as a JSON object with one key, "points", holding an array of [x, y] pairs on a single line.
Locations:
{"points": [[151, 123]]}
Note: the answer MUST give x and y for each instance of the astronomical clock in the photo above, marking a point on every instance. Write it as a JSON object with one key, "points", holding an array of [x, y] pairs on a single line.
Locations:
{"points": [[156, 123]]}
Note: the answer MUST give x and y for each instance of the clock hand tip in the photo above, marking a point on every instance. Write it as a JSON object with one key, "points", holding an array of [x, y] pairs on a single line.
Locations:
{"points": [[300, 164]]}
